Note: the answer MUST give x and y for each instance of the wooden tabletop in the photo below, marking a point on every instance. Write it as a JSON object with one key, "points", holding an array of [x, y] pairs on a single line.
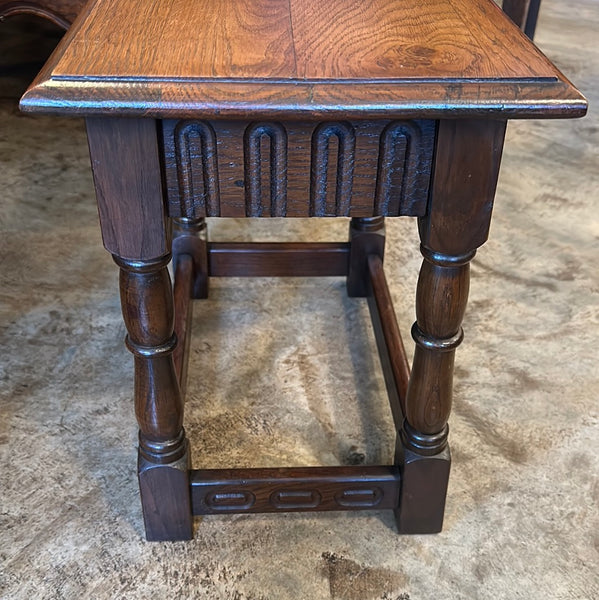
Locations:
{"points": [[425, 58]]}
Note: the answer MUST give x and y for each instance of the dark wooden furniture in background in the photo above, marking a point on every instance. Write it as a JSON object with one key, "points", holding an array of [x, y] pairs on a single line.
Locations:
{"points": [[304, 108], [524, 13], [61, 12]]}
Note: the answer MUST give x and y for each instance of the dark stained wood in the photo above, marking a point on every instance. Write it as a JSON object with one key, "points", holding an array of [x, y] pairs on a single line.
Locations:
{"points": [[401, 100], [366, 237], [277, 259], [224, 491], [468, 156], [457, 223], [517, 11], [213, 169], [296, 108], [131, 206], [183, 289], [148, 312], [429, 100], [531, 19], [147, 303], [190, 239], [192, 172], [386, 58], [134, 229], [265, 170], [441, 298], [423, 491], [392, 353], [332, 169], [190, 264], [524, 13], [166, 500], [60, 12]]}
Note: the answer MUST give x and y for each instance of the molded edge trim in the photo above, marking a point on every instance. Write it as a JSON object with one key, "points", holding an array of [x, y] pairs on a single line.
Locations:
{"points": [[201, 99]]}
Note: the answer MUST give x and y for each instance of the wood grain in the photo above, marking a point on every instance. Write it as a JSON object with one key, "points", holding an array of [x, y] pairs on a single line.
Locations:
{"points": [[240, 57], [212, 170], [163, 461], [278, 259], [301, 39], [182, 292], [424, 39], [457, 223], [132, 209], [468, 156], [182, 38], [226, 491], [392, 353]]}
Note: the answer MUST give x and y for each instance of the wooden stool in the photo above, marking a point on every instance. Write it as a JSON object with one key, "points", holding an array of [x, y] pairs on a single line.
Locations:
{"points": [[246, 108]]}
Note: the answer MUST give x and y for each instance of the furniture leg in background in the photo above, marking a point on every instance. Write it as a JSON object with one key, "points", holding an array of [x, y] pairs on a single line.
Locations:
{"points": [[524, 13]]}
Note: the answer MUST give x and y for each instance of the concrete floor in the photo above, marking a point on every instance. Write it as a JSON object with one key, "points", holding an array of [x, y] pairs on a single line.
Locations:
{"points": [[522, 515]]}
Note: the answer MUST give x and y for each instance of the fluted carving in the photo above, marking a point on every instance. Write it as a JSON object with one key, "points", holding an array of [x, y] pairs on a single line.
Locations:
{"points": [[265, 169], [399, 166], [321, 178], [254, 175], [197, 169]]}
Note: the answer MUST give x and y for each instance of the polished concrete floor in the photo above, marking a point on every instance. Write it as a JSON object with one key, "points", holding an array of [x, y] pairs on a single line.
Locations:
{"points": [[282, 373]]}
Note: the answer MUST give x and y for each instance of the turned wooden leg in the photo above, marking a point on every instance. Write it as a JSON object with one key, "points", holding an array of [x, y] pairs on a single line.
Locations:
{"points": [[456, 224], [163, 466], [135, 230], [366, 237], [441, 299]]}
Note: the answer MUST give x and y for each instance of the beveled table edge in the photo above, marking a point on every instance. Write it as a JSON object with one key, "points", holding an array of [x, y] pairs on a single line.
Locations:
{"points": [[510, 99]]}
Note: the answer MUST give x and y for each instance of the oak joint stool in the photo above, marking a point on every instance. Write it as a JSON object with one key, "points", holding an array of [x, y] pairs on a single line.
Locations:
{"points": [[278, 108]]}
